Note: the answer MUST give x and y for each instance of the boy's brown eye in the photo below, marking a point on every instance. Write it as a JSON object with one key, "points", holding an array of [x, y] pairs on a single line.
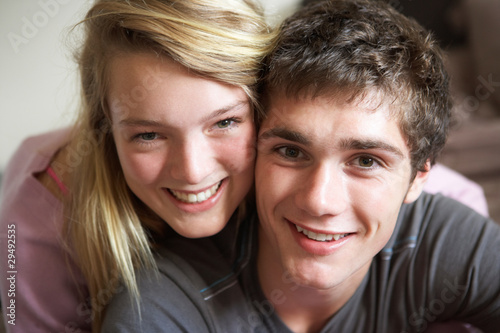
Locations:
{"points": [[291, 152], [365, 162]]}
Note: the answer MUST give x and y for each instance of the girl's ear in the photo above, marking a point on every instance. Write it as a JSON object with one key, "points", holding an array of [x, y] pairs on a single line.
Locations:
{"points": [[418, 183]]}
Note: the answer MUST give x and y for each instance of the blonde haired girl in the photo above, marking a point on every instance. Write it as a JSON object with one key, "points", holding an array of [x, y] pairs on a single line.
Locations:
{"points": [[164, 143]]}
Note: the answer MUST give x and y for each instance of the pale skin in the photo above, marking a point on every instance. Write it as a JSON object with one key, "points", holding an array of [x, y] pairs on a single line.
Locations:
{"points": [[337, 171], [186, 144]]}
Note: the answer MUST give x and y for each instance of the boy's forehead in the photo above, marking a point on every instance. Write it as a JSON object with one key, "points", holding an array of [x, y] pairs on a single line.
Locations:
{"points": [[338, 123], [369, 101]]}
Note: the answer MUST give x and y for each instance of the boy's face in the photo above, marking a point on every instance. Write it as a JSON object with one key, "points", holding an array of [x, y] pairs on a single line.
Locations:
{"points": [[330, 181]]}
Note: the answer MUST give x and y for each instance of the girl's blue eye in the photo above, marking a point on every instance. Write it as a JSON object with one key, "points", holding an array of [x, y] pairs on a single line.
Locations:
{"points": [[147, 136], [224, 123]]}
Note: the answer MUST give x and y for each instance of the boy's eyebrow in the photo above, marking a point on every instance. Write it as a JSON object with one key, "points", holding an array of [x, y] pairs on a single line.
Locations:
{"points": [[284, 133], [364, 144], [346, 144]]}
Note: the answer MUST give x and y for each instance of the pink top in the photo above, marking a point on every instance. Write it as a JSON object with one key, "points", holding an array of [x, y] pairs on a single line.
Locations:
{"points": [[39, 292], [454, 185]]}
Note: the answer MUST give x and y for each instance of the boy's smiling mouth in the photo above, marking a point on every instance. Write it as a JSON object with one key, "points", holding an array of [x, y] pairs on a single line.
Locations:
{"points": [[320, 236]]}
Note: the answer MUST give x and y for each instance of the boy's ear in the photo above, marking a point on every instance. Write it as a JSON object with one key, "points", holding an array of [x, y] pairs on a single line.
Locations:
{"points": [[418, 183]]}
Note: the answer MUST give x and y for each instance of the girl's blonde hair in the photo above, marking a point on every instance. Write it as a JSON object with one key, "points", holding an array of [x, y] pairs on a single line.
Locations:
{"points": [[109, 230]]}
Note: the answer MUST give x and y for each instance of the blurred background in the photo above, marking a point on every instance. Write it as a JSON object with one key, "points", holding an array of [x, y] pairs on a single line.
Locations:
{"points": [[39, 84], [469, 32]]}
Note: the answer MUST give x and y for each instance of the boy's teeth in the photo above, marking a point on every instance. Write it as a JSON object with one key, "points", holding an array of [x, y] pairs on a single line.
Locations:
{"points": [[320, 237], [196, 197]]}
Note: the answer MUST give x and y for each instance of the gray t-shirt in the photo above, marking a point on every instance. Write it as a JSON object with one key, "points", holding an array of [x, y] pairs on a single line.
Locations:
{"points": [[441, 263]]}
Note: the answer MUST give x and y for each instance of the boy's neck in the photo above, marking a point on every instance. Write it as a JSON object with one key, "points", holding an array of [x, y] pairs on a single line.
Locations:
{"points": [[301, 308]]}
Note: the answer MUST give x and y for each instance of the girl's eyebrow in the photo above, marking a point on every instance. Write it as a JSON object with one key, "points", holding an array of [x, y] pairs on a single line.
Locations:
{"points": [[219, 112], [137, 122]]}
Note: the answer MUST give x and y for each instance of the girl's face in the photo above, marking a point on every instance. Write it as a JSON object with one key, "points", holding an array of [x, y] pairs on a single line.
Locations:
{"points": [[186, 144]]}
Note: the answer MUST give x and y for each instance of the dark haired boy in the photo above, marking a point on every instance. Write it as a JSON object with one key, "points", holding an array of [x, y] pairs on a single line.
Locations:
{"points": [[357, 110]]}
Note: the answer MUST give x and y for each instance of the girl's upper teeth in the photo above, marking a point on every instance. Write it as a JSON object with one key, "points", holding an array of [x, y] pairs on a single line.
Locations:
{"points": [[320, 237], [196, 197]]}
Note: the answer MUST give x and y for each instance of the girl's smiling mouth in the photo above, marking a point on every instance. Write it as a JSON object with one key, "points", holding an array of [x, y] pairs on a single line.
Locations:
{"points": [[195, 197]]}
